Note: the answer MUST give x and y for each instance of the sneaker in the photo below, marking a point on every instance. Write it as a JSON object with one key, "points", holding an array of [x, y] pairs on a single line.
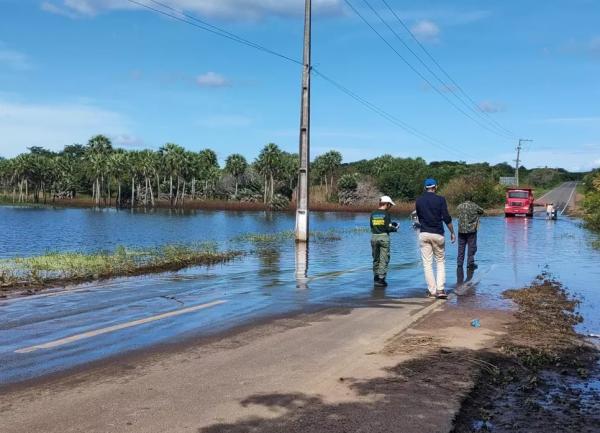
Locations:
{"points": [[429, 294], [441, 294]]}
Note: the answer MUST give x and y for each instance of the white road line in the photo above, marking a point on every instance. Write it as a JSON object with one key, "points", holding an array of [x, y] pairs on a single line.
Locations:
{"points": [[90, 334], [551, 191], [569, 200]]}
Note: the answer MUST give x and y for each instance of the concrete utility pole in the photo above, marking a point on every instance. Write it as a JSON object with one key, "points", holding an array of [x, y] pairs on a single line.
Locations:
{"points": [[303, 172], [518, 160]]}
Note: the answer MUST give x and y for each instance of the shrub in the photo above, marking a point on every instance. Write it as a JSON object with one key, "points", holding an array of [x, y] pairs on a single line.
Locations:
{"points": [[545, 177], [485, 192], [348, 182], [591, 204]]}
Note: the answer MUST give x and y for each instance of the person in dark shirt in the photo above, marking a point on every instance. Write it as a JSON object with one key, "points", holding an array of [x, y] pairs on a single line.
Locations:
{"points": [[432, 211], [381, 227]]}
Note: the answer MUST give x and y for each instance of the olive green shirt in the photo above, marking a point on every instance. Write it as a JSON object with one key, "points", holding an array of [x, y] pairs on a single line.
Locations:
{"points": [[381, 222]]}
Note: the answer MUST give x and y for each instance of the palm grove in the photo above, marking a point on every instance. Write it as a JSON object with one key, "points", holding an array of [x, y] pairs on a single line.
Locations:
{"points": [[173, 175]]}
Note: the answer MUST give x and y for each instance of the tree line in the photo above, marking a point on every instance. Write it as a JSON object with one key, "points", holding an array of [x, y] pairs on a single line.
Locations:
{"points": [[174, 175], [113, 176]]}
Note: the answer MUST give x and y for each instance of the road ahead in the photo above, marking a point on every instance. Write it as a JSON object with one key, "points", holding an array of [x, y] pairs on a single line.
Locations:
{"points": [[563, 197]]}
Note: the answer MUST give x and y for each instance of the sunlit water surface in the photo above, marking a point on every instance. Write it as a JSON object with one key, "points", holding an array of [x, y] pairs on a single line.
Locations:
{"points": [[512, 252]]}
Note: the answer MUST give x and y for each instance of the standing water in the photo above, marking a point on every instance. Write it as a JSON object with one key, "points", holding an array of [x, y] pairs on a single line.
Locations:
{"points": [[266, 282]]}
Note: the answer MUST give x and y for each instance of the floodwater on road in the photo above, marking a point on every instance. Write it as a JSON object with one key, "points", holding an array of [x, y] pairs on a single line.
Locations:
{"points": [[58, 330]]}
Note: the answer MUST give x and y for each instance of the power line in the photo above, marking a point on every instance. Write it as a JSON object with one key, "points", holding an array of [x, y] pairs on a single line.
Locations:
{"points": [[390, 117], [416, 71], [211, 28], [468, 106], [203, 25], [426, 51]]}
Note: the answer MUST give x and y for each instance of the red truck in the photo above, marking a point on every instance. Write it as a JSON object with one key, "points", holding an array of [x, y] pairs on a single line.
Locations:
{"points": [[519, 202]]}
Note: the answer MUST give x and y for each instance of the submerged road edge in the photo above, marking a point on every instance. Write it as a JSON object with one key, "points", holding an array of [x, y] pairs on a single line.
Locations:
{"points": [[90, 334]]}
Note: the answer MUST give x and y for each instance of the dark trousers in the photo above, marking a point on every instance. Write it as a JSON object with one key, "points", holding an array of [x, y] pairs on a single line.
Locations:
{"points": [[465, 239]]}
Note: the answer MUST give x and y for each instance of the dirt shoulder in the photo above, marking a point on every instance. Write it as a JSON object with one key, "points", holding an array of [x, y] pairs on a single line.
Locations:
{"points": [[545, 376]]}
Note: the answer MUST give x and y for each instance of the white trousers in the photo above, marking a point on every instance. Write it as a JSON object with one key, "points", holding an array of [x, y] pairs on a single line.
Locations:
{"points": [[433, 245]]}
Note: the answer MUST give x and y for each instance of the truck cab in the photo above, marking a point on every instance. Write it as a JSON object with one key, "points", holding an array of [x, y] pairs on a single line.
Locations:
{"points": [[519, 202]]}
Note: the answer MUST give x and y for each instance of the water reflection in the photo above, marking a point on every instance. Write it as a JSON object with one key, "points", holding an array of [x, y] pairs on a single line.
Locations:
{"points": [[516, 237], [464, 285], [302, 265], [269, 261]]}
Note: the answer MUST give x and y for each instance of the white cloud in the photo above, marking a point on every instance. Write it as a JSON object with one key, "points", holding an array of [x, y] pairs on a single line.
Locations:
{"points": [[490, 107], [426, 30], [55, 125], [13, 59], [228, 9], [127, 140], [58, 10], [212, 79]]}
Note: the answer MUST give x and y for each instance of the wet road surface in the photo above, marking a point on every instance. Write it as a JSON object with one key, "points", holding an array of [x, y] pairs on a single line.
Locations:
{"points": [[59, 330]]}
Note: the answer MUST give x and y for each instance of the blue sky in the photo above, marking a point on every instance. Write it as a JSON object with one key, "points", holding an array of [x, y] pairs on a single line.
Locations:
{"points": [[73, 68]]}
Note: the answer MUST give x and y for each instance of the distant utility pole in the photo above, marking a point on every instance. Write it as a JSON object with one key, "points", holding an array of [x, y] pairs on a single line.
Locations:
{"points": [[303, 172], [518, 160]]}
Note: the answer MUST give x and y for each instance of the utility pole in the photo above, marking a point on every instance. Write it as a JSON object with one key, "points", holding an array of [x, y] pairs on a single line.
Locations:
{"points": [[518, 160], [303, 172]]}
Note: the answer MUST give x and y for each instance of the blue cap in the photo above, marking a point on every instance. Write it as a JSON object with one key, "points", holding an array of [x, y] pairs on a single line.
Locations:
{"points": [[429, 183]]}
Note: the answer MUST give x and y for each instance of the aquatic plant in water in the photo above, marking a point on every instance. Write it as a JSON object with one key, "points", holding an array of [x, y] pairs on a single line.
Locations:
{"points": [[288, 235], [57, 267]]}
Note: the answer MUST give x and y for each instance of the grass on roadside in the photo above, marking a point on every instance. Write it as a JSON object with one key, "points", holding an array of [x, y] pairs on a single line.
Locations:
{"points": [[61, 267]]}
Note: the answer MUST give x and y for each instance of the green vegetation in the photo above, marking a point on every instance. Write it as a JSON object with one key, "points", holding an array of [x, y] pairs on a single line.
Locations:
{"points": [[60, 268], [289, 235], [174, 176], [479, 189], [591, 203]]}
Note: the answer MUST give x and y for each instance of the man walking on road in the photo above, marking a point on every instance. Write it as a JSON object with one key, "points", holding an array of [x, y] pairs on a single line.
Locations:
{"points": [[381, 227], [432, 211], [468, 224]]}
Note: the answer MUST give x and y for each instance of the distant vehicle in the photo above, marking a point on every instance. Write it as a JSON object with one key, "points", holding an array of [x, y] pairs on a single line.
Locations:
{"points": [[519, 202]]}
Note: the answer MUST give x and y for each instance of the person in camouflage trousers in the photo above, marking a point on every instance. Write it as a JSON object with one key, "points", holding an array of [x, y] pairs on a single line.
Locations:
{"points": [[381, 227], [468, 217]]}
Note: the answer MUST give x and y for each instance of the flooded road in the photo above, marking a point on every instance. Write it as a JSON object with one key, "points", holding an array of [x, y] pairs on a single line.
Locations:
{"points": [[55, 331]]}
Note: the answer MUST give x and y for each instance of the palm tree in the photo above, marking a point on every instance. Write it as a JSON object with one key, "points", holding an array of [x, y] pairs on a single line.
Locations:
{"points": [[268, 164], [209, 170], [172, 158], [236, 165], [118, 169], [148, 161], [98, 149], [332, 161]]}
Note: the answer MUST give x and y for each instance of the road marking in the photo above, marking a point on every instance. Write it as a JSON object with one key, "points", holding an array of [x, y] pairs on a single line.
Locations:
{"points": [[569, 200], [95, 333], [554, 190]]}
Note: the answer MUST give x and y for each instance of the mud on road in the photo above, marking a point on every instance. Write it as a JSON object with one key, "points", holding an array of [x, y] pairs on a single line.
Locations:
{"points": [[546, 377]]}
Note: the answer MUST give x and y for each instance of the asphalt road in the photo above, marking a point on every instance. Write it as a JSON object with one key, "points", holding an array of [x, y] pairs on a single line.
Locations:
{"points": [[329, 366], [563, 197]]}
